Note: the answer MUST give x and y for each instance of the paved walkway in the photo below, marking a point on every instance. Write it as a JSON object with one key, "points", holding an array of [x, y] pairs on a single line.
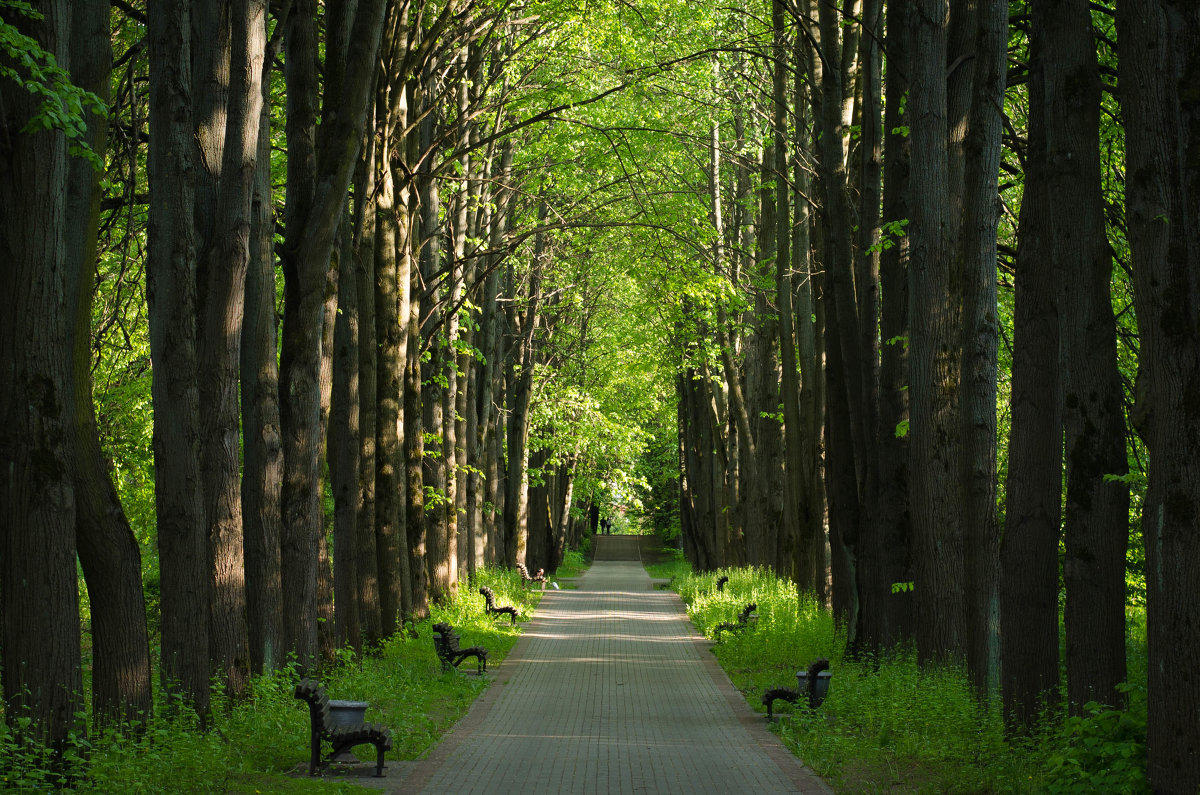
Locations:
{"points": [[610, 690]]}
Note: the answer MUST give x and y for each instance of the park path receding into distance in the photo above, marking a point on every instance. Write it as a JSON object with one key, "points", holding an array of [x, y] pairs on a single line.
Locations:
{"points": [[611, 690]]}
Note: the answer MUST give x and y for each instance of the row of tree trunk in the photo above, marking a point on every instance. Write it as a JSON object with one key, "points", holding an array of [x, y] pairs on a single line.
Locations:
{"points": [[853, 396], [394, 240]]}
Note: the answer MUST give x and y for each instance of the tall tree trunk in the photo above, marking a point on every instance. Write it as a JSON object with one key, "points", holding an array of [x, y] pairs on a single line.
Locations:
{"points": [[846, 404], [891, 500], [812, 394], [108, 551], [516, 528], [764, 507], [873, 549], [223, 269], [1096, 511], [314, 210], [980, 343], [39, 617], [391, 333], [434, 379], [1029, 548], [794, 550], [1160, 53], [933, 346], [414, 455], [300, 350], [262, 457], [344, 452], [171, 295], [366, 224]]}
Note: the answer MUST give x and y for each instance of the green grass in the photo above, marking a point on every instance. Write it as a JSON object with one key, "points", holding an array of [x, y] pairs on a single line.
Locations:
{"points": [[887, 726], [573, 565], [890, 726], [256, 745]]}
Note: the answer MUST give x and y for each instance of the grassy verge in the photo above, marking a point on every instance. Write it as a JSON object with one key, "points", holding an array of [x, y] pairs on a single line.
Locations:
{"points": [[891, 726], [256, 745]]}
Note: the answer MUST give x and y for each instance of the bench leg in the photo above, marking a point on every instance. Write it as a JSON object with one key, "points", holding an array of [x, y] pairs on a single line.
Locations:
{"points": [[315, 757], [378, 760]]}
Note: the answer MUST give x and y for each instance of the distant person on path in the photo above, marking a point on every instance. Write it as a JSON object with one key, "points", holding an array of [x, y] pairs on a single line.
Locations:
{"points": [[606, 525]]}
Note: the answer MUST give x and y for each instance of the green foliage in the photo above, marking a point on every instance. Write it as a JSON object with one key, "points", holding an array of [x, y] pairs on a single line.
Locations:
{"points": [[890, 725], [573, 565], [256, 745], [62, 105], [28, 765], [1103, 750]]}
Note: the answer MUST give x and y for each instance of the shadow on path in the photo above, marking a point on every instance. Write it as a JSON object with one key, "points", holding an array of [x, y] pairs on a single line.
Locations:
{"points": [[610, 690]]}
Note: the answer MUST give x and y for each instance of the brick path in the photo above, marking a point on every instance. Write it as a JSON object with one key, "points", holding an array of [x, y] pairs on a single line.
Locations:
{"points": [[611, 690]]}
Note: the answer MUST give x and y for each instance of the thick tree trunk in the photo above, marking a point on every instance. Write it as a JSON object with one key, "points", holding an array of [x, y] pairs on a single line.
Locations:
{"points": [[171, 295], [391, 334], [1096, 511], [520, 393], [223, 269], [262, 457], [764, 500], [39, 617], [872, 573], [300, 353], [435, 383], [1029, 548], [1160, 53], [980, 343], [933, 468], [318, 179], [891, 499], [794, 550], [108, 551]]}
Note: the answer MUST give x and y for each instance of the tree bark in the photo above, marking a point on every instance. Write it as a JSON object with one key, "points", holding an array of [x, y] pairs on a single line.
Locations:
{"points": [[171, 295], [1096, 511], [1160, 54], [223, 268], [318, 179], [39, 617], [366, 224], [108, 551], [262, 456], [1029, 548], [933, 354], [344, 452], [980, 344], [391, 334]]}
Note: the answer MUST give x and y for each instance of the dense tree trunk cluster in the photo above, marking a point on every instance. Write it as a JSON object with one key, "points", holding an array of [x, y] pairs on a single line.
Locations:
{"points": [[891, 188], [891, 392], [395, 228]]}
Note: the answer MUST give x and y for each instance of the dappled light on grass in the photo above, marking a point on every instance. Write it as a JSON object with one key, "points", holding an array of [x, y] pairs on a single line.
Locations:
{"points": [[261, 743], [890, 726]]}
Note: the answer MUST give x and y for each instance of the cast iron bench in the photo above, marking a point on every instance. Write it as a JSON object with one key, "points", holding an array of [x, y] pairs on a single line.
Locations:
{"points": [[445, 642], [341, 737], [811, 684], [744, 619], [492, 609], [525, 578]]}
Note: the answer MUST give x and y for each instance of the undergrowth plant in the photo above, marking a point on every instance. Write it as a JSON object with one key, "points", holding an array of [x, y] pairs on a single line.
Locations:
{"points": [[260, 744], [889, 725]]}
